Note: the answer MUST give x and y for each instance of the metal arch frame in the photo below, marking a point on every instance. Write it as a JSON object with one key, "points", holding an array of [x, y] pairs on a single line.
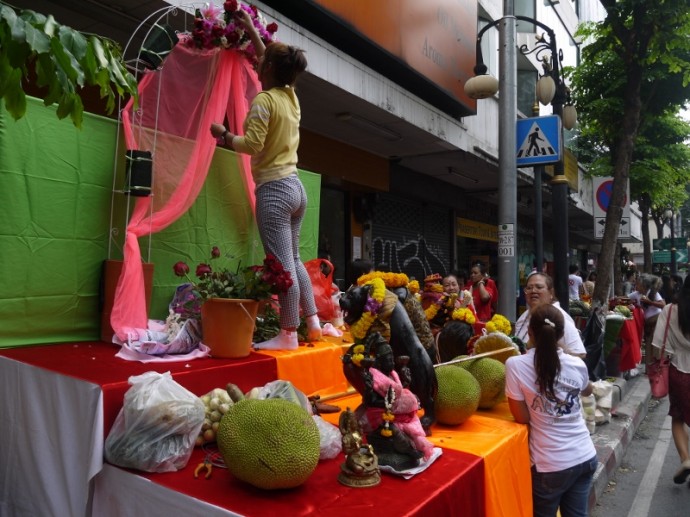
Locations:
{"points": [[151, 21]]}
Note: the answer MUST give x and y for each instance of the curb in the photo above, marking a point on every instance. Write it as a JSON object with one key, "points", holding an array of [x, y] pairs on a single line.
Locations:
{"points": [[611, 440]]}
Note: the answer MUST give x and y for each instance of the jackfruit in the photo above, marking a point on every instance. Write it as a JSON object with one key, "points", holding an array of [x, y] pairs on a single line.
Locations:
{"points": [[496, 341], [458, 395], [491, 376], [272, 443]]}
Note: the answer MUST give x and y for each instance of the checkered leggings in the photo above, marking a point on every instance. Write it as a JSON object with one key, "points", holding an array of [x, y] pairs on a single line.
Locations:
{"points": [[280, 208]]}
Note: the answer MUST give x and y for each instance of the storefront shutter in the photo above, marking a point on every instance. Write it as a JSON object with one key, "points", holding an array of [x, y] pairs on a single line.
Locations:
{"points": [[410, 237]]}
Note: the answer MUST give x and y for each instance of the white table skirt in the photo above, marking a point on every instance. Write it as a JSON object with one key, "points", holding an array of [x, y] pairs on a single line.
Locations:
{"points": [[119, 493], [51, 441]]}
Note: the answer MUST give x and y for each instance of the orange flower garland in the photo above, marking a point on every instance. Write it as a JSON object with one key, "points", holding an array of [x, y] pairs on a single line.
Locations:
{"points": [[390, 280]]}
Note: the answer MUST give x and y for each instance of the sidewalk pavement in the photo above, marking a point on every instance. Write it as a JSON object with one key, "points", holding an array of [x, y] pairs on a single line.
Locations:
{"points": [[611, 440]]}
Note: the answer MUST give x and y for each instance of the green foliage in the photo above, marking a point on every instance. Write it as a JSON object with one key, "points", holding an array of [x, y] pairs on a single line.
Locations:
{"points": [[63, 60], [635, 71]]}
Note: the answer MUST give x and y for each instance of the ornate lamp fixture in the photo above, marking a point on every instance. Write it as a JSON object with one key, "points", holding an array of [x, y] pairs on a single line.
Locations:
{"points": [[550, 89]]}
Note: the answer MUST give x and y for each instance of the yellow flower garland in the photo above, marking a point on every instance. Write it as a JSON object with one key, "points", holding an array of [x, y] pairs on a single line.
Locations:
{"points": [[390, 280], [464, 314], [431, 311], [413, 286], [499, 323], [360, 328], [358, 355]]}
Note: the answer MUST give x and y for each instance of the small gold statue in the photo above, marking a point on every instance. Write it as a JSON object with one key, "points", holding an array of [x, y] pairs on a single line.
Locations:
{"points": [[361, 466]]}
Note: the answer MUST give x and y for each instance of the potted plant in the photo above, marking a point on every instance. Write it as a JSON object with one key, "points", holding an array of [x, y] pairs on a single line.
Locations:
{"points": [[227, 301]]}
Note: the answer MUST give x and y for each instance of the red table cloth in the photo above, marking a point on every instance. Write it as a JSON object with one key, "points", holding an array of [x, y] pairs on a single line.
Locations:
{"points": [[631, 343], [452, 485], [95, 362]]}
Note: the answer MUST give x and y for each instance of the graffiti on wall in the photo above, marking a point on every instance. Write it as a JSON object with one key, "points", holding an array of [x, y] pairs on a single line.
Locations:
{"points": [[415, 258]]}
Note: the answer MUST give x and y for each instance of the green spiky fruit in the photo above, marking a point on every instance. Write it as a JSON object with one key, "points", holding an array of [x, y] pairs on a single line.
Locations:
{"points": [[270, 444], [491, 376], [458, 395]]}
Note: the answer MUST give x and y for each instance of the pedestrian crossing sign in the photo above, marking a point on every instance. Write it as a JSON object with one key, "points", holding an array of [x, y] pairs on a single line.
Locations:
{"points": [[539, 140]]}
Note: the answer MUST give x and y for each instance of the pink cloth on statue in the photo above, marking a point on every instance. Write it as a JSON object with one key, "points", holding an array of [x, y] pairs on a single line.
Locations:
{"points": [[177, 105], [404, 408]]}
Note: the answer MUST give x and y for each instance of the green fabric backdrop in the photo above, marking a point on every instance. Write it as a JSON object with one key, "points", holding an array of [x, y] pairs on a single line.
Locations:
{"points": [[56, 187]]}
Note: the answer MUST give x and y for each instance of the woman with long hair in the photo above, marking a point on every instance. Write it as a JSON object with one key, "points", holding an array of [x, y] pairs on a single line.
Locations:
{"points": [[673, 328], [543, 388], [271, 137]]}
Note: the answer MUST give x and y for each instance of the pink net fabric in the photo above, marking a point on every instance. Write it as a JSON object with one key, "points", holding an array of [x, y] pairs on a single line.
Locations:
{"points": [[177, 105]]}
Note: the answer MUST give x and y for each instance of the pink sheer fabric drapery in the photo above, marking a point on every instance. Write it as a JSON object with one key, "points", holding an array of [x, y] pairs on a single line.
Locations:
{"points": [[177, 105]]}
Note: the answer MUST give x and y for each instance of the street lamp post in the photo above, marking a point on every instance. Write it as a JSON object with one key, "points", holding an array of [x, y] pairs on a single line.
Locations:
{"points": [[551, 88]]}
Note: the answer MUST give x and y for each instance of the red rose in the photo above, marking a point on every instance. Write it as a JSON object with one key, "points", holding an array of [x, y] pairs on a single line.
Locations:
{"points": [[272, 27], [181, 269], [215, 252], [202, 270], [230, 6]]}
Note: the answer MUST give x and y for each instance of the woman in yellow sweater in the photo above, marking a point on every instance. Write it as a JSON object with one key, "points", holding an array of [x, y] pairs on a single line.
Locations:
{"points": [[271, 137]]}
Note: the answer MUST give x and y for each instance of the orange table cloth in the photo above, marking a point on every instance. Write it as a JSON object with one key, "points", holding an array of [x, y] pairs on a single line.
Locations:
{"points": [[314, 367], [495, 436]]}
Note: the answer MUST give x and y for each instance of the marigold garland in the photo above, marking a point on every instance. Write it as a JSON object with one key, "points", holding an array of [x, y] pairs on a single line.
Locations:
{"points": [[464, 314], [390, 280], [388, 415], [431, 311], [360, 328], [499, 323], [433, 288], [413, 287], [358, 355]]}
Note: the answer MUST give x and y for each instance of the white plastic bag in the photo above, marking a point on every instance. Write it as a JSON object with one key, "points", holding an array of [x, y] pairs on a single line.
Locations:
{"points": [[603, 392], [589, 406], [157, 426], [331, 441]]}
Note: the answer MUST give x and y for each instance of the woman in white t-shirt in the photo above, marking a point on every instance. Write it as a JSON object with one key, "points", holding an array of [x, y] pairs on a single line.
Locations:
{"points": [[543, 389], [538, 290]]}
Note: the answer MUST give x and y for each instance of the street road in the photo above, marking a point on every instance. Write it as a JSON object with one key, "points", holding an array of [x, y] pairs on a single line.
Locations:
{"points": [[643, 483]]}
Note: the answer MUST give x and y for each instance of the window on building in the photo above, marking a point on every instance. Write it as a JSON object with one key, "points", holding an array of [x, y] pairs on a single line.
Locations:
{"points": [[526, 91], [525, 8]]}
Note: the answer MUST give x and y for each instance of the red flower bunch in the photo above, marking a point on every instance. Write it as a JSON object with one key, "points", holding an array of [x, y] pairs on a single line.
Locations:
{"points": [[254, 282]]}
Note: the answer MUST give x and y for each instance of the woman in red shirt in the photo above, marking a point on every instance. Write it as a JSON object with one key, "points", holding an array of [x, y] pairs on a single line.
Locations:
{"points": [[483, 292]]}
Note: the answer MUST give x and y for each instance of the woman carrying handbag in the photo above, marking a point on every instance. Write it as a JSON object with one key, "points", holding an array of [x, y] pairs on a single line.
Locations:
{"points": [[672, 335]]}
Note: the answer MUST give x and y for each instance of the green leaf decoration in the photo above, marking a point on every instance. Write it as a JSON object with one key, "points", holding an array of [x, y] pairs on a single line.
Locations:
{"points": [[64, 61], [37, 40], [73, 41], [15, 99]]}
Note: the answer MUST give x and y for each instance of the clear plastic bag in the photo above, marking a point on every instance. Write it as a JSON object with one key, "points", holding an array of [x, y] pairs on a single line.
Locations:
{"points": [[157, 426], [331, 441], [284, 390]]}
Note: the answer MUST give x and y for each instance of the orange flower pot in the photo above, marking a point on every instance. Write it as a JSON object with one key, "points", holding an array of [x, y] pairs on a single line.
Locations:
{"points": [[227, 326]]}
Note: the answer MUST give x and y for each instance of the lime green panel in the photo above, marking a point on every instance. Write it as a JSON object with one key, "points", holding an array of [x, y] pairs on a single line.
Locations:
{"points": [[55, 203]]}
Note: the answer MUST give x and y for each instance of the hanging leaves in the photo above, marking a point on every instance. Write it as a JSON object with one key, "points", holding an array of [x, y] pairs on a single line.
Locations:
{"points": [[64, 61]]}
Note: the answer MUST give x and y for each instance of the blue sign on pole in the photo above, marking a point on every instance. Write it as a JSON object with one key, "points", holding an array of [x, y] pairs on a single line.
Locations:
{"points": [[539, 140]]}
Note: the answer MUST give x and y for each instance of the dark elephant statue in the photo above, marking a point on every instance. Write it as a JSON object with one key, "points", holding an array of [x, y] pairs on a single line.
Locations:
{"points": [[403, 339]]}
